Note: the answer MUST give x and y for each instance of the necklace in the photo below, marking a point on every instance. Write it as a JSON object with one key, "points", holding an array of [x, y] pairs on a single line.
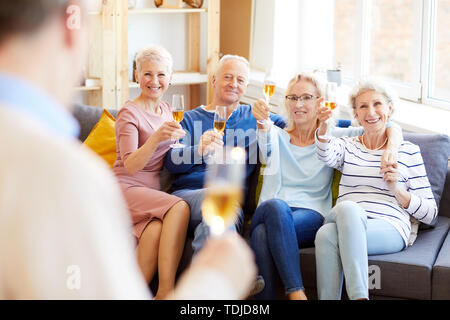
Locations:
{"points": [[362, 140]]}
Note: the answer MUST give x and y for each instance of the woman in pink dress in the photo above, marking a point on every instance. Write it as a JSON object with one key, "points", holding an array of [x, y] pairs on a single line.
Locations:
{"points": [[144, 129]]}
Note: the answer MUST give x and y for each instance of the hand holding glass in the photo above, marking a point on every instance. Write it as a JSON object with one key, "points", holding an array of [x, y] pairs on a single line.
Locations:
{"points": [[178, 114], [223, 196]]}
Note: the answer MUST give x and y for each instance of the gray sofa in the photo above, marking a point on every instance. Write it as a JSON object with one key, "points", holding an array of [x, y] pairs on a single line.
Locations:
{"points": [[421, 271]]}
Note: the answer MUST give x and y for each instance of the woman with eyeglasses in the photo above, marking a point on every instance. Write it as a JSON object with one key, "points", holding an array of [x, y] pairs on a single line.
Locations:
{"points": [[296, 190]]}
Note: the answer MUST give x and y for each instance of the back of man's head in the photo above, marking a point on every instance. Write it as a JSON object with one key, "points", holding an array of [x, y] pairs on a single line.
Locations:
{"points": [[39, 38], [24, 17]]}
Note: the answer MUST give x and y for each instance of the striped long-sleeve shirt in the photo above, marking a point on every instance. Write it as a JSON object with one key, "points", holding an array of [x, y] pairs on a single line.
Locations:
{"points": [[363, 183]]}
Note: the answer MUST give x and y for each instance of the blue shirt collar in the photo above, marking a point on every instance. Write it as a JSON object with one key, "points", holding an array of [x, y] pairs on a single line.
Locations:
{"points": [[20, 95]]}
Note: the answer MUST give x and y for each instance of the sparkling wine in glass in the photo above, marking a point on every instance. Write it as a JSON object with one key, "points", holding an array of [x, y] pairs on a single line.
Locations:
{"points": [[223, 196], [331, 103], [331, 95], [220, 118], [178, 114], [268, 90]]}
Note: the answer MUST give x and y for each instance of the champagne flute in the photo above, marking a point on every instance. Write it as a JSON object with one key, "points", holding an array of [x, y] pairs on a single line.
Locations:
{"points": [[268, 91], [331, 103], [220, 118], [178, 114], [223, 196]]}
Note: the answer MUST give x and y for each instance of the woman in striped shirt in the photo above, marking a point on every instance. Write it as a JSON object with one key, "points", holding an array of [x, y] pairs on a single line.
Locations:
{"points": [[376, 204]]}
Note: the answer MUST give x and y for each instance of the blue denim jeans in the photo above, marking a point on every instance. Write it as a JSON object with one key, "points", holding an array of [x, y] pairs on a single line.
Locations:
{"points": [[277, 233], [343, 244], [196, 226]]}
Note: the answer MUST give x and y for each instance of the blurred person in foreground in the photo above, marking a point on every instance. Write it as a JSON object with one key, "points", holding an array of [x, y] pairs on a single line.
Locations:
{"points": [[64, 225]]}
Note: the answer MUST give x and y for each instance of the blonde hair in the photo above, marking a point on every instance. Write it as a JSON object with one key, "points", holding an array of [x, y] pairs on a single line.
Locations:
{"points": [[154, 53], [312, 78]]}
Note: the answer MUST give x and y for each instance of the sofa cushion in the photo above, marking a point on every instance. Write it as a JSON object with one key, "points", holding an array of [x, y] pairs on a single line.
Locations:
{"points": [[102, 138], [435, 151], [441, 273], [87, 117], [444, 208], [405, 274], [308, 267]]}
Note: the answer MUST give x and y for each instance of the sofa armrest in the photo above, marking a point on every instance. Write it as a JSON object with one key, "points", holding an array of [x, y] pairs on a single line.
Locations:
{"points": [[444, 208], [441, 273]]}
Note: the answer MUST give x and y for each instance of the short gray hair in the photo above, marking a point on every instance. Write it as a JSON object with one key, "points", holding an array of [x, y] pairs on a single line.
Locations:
{"points": [[233, 57], [154, 53], [312, 78], [371, 84]]}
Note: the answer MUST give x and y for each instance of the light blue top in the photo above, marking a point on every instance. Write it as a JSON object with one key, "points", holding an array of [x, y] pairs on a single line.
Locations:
{"points": [[295, 174], [23, 97]]}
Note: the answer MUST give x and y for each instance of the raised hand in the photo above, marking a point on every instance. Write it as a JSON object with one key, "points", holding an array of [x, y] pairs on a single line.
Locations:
{"points": [[260, 110], [229, 256]]}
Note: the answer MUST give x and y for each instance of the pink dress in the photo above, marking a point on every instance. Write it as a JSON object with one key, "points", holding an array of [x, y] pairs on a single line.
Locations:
{"points": [[142, 192]]}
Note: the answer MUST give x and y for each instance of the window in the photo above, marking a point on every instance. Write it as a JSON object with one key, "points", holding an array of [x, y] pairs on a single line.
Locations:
{"points": [[393, 41], [440, 53], [380, 38], [345, 18], [404, 42]]}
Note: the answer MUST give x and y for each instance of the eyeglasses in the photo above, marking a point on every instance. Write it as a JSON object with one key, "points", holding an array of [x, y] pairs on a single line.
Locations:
{"points": [[304, 99]]}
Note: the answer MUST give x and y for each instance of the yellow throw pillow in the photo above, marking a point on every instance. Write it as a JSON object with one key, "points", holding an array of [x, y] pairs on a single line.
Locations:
{"points": [[102, 138], [335, 186], [260, 183]]}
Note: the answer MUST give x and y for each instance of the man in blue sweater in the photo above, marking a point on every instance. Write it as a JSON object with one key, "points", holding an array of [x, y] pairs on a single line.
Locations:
{"points": [[189, 164]]}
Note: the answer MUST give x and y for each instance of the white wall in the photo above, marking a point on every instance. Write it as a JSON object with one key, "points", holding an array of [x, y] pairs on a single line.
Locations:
{"points": [[289, 36], [292, 36], [262, 34]]}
